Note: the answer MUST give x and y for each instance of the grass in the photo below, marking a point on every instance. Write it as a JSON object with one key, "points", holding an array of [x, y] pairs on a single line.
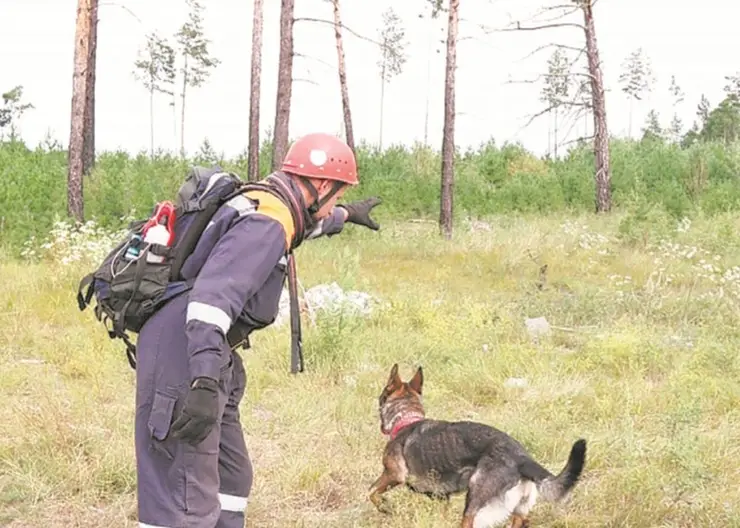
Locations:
{"points": [[642, 362]]}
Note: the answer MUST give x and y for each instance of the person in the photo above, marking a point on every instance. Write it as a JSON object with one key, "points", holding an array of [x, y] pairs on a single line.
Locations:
{"points": [[193, 467]]}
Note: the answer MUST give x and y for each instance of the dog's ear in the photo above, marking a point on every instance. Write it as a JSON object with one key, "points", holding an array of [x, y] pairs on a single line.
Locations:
{"points": [[394, 380], [417, 381]]}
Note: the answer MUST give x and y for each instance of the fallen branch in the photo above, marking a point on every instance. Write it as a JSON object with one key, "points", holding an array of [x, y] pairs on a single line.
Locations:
{"points": [[574, 330]]}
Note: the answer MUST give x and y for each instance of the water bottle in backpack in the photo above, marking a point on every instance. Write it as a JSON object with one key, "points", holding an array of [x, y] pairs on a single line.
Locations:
{"points": [[159, 229]]}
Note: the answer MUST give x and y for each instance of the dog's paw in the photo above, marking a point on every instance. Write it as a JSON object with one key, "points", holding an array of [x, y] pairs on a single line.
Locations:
{"points": [[384, 506]]}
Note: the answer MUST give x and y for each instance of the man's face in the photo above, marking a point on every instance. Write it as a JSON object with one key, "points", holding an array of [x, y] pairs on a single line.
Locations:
{"points": [[324, 187]]}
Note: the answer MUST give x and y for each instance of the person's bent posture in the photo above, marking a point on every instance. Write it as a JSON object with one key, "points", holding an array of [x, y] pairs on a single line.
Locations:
{"points": [[193, 467]]}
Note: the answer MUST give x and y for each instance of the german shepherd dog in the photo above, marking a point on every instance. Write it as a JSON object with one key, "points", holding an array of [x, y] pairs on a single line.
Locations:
{"points": [[439, 458]]}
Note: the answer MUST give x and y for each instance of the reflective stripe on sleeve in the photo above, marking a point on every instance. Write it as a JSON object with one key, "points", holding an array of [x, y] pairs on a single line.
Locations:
{"points": [[232, 503], [208, 314], [242, 204]]}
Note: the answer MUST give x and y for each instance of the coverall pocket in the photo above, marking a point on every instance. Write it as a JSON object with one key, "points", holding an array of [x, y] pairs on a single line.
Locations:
{"points": [[160, 419]]}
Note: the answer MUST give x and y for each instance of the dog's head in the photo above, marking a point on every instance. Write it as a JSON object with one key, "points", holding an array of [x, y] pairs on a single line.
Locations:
{"points": [[400, 400]]}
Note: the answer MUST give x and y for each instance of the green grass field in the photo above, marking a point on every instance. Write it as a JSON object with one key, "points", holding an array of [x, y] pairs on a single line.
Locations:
{"points": [[642, 362]]}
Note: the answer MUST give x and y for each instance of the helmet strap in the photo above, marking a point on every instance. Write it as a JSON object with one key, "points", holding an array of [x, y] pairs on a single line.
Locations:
{"points": [[319, 203]]}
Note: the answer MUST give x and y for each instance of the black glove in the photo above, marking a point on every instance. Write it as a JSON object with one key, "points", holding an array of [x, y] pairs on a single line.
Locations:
{"points": [[359, 212], [200, 412]]}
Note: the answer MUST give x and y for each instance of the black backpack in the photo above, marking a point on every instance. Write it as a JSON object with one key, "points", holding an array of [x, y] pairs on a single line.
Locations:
{"points": [[129, 287]]}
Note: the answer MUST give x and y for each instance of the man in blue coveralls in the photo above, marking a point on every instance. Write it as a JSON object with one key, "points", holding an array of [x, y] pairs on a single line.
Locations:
{"points": [[193, 467]]}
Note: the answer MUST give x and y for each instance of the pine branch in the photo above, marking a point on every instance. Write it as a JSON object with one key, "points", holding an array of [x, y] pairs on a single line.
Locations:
{"points": [[303, 56], [331, 23], [553, 45]]}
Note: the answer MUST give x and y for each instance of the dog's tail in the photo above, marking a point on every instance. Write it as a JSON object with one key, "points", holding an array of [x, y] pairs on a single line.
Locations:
{"points": [[553, 488]]}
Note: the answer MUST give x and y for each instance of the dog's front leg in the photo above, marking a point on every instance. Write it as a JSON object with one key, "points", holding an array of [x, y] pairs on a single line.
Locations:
{"points": [[519, 521], [383, 483]]}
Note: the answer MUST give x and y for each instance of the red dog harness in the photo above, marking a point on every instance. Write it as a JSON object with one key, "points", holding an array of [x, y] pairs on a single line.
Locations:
{"points": [[405, 421]]}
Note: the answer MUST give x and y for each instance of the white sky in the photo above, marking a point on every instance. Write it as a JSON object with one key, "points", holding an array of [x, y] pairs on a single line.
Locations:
{"points": [[691, 40]]}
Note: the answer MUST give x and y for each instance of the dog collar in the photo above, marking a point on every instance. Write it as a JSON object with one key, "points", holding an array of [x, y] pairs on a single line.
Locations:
{"points": [[405, 422]]}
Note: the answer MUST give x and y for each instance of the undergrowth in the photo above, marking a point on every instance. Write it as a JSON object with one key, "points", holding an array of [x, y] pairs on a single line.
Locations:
{"points": [[640, 360], [489, 180]]}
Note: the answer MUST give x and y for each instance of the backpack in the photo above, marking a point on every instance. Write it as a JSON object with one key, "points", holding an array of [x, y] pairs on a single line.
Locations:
{"points": [[139, 276]]}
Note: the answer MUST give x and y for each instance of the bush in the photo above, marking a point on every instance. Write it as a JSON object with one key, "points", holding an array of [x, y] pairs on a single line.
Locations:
{"points": [[489, 180]]}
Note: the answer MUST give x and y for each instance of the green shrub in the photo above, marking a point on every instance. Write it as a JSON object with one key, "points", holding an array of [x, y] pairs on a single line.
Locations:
{"points": [[489, 180]]}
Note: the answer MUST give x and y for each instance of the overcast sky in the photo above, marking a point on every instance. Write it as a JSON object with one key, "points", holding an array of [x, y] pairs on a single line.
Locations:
{"points": [[36, 50]]}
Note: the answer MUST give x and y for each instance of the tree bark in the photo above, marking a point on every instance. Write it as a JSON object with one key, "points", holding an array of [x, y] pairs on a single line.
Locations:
{"points": [[182, 109], [253, 158], [601, 132], [555, 131], [80, 85], [448, 133], [151, 119], [284, 86], [174, 115], [382, 107], [342, 66], [88, 156]]}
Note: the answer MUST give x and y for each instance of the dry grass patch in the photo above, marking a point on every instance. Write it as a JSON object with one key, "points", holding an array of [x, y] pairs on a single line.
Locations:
{"points": [[644, 368]]}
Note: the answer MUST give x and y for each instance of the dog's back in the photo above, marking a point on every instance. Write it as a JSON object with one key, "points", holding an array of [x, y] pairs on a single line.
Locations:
{"points": [[441, 457]]}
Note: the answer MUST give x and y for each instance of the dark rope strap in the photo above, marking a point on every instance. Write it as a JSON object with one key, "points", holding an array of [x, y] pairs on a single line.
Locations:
{"points": [[296, 340]]}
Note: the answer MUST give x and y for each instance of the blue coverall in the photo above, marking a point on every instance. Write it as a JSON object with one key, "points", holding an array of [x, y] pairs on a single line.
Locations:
{"points": [[239, 265]]}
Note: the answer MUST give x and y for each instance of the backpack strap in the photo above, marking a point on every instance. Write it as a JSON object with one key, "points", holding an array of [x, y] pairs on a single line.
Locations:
{"points": [[279, 189], [186, 246], [84, 300], [118, 325]]}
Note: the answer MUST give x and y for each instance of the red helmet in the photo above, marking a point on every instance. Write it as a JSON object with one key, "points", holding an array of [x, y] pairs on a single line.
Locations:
{"points": [[322, 156]]}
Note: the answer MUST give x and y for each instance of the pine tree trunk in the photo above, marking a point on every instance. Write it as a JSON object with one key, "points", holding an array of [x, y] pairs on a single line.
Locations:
{"points": [[174, 116], [448, 137], [342, 66], [601, 132], [151, 119], [76, 150], [182, 109], [88, 155], [284, 86], [555, 131], [253, 158], [428, 84], [382, 108]]}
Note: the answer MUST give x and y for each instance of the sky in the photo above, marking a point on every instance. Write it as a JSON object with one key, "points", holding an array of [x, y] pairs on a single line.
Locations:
{"points": [[689, 40]]}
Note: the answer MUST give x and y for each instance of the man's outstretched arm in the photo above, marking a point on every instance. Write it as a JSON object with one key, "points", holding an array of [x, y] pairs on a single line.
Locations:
{"points": [[354, 213]]}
